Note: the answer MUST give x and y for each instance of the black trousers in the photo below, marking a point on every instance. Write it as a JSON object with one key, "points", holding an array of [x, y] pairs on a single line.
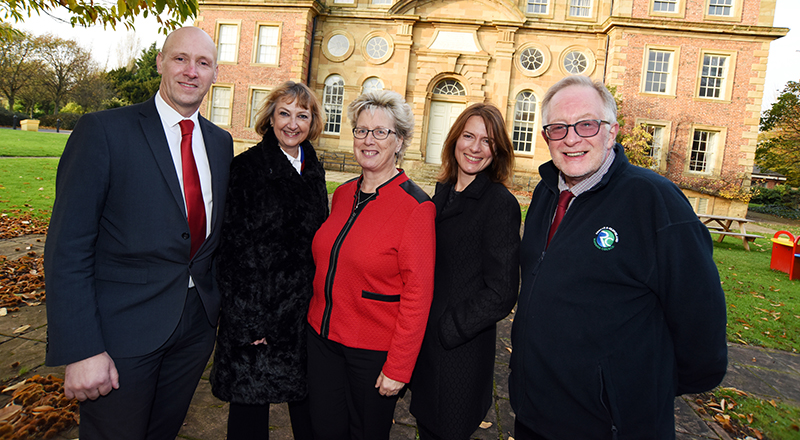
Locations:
{"points": [[344, 402], [155, 390], [522, 432], [251, 422]]}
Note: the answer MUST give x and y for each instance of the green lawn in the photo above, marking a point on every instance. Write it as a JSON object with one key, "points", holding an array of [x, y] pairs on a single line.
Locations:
{"points": [[27, 185], [31, 143], [763, 305]]}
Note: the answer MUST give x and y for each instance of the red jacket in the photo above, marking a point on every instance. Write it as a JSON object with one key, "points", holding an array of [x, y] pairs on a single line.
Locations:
{"points": [[374, 272]]}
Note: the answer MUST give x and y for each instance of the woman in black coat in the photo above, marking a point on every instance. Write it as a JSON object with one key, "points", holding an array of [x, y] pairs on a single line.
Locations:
{"points": [[277, 199], [476, 280]]}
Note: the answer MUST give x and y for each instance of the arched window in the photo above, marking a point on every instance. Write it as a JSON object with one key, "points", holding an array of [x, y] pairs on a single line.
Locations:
{"points": [[372, 84], [449, 87], [333, 101], [525, 122]]}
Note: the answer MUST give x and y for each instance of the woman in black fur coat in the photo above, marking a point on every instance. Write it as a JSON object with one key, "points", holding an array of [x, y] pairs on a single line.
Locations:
{"points": [[277, 200]]}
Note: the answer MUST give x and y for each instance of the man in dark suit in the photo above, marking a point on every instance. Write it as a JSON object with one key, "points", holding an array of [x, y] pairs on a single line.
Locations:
{"points": [[132, 303]]}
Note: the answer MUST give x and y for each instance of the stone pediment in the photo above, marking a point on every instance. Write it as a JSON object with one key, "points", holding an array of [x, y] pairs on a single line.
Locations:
{"points": [[471, 11]]}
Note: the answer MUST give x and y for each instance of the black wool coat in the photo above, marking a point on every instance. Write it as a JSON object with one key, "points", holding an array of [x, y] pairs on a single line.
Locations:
{"points": [[476, 285], [265, 272]]}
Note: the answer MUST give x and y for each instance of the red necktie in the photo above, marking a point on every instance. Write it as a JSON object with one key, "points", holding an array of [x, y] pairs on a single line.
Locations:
{"points": [[563, 202], [195, 209]]}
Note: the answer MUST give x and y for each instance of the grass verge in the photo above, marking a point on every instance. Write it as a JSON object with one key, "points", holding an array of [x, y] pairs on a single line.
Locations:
{"points": [[31, 143], [747, 416], [763, 304], [27, 185]]}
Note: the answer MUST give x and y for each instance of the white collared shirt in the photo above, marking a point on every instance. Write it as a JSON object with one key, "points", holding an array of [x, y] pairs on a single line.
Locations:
{"points": [[295, 161], [170, 119]]}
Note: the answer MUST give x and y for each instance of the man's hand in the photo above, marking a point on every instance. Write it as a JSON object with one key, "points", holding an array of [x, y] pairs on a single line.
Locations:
{"points": [[91, 378], [388, 387]]}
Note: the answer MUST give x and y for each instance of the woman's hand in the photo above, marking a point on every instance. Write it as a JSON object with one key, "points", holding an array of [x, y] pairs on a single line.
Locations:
{"points": [[388, 387], [259, 342]]}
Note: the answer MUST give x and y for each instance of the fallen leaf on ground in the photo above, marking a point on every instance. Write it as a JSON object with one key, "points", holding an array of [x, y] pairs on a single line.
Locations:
{"points": [[485, 425]]}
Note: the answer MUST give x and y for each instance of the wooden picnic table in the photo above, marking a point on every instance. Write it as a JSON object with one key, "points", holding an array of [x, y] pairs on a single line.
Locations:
{"points": [[722, 225]]}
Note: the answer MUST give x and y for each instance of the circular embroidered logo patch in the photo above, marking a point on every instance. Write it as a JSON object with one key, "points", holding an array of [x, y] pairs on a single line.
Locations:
{"points": [[605, 238]]}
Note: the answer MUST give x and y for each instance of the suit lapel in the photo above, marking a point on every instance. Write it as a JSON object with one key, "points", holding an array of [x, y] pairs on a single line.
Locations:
{"points": [[154, 132], [216, 160]]}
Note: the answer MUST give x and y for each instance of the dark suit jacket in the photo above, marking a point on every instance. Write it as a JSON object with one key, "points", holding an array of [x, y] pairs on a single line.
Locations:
{"points": [[117, 253]]}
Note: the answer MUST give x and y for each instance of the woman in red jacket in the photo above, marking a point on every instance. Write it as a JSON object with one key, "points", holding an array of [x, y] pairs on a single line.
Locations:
{"points": [[373, 285]]}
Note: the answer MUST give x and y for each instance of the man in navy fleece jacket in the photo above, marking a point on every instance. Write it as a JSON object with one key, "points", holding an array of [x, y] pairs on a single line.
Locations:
{"points": [[621, 310]]}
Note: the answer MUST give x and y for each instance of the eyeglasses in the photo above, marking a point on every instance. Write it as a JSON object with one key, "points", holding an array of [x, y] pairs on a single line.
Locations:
{"points": [[585, 129], [378, 133]]}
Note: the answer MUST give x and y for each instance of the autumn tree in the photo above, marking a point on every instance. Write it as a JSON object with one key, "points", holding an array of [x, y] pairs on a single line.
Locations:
{"points": [[88, 12], [66, 63], [18, 65], [779, 147], [92, 91]]}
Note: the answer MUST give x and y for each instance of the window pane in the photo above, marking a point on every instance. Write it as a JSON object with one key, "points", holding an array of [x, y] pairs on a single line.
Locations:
{"points": [[381, 2], [537, 6], [531, 59], [449, 87], [722, 8], [524, 135], [575, 62], [657, 75], [580, 8], [267, 45], [256, 102], [332, 101], [221, 105], [372, 84], [665, 5], [701, 151], [712, 76], [377, 47], [227, 42]]}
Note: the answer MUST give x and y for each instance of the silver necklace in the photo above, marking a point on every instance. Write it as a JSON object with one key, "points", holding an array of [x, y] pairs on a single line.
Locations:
{"points": [[360, 202]]}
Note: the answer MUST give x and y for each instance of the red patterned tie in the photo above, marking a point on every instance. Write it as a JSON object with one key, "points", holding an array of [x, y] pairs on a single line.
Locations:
{"points": [[563, 202], [195, 209]]}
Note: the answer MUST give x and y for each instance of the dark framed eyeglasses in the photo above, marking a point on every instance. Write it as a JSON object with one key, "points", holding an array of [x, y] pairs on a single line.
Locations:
{"points": [[378, 133], [585, 129]]}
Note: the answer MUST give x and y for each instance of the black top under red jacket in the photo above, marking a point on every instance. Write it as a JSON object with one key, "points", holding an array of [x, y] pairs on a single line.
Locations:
{"points": [[623, 312], [374, 272]]}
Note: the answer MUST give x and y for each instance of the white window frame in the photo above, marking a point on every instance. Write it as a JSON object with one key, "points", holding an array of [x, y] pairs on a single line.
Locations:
{"points": [[580, 9], [671, 82], [734, 10], [228, 50], [713, 152], [254, 107], [219, 107], [372, 83], [333, 103], [524, 132], [542, 5], [258, 44], [721, 8], [728, 72], [659, 147], [678, 12]]}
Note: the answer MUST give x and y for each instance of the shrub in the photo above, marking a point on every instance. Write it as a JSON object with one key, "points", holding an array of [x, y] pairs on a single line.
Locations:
{"points": [[777, 210], [7, 117], [68, 120], [782, 195]]}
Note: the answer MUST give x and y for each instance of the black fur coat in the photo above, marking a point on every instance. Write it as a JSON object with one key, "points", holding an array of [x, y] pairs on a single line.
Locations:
{"points": [[265, 272]]}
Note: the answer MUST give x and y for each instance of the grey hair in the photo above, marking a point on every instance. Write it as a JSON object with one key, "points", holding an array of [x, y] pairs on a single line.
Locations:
{"points": [[394, 105], [609, 104]]}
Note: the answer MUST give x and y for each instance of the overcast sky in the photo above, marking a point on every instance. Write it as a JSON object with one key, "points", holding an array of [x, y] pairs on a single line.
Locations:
{"points": [[783, 65]]}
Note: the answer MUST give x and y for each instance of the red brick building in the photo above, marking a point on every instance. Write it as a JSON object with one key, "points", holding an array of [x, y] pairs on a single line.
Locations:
{"points": [[691, 70]]}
